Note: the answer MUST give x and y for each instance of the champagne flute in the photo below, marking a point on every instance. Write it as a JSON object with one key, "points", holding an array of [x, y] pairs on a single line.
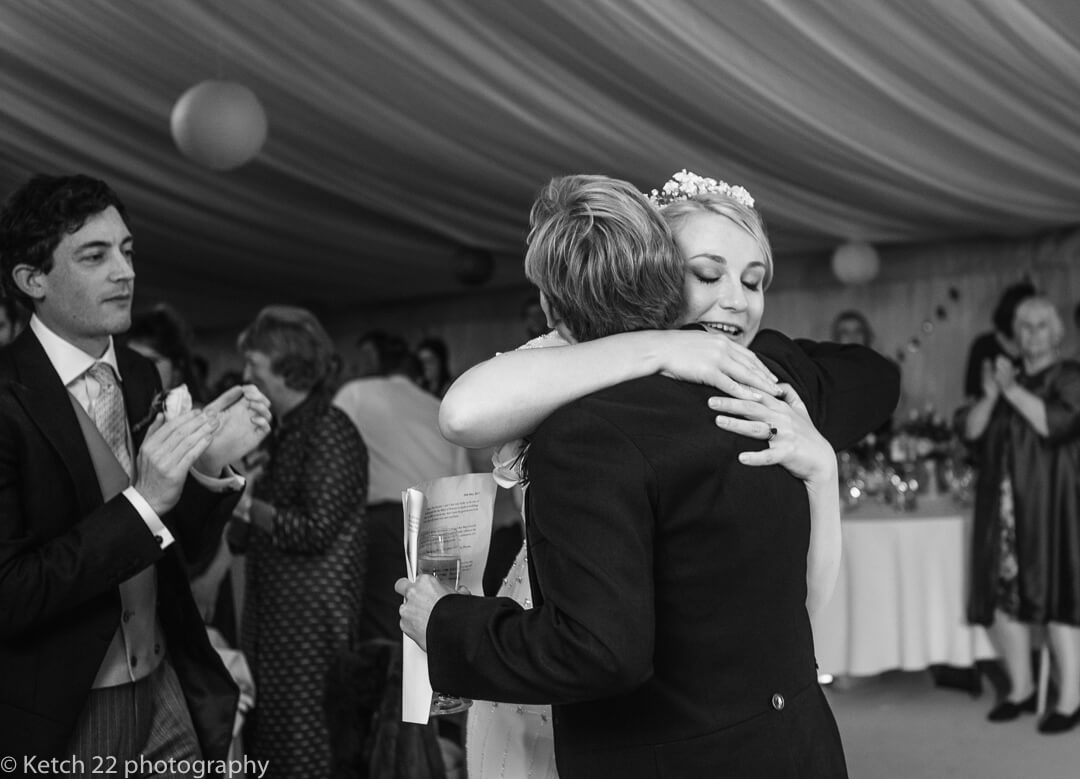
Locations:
{"points": [[446, 568]]}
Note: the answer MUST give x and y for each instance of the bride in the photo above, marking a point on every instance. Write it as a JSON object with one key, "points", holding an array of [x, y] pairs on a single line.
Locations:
{"points": [[506, 397]]}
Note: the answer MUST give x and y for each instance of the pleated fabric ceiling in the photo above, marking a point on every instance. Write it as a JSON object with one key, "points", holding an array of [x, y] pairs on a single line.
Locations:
{"points": [[404, 132]]}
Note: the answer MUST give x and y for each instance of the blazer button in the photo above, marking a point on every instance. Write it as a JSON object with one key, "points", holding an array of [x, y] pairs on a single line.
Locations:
{"points": [[127, 616], [778, 701], [160, 540], [134, 661]]}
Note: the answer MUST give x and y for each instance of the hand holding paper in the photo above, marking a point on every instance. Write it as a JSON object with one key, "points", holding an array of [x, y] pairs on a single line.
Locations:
{"points": [[448, 518]]}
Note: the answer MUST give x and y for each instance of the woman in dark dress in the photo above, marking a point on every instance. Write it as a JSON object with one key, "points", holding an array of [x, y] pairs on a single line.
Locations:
{"points": [[1000, 340], [305, 550], [1026, 555]]}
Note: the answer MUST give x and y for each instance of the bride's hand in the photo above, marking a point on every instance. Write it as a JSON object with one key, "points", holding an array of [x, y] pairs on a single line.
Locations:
{"points": [[794, 442], [715, 360]]}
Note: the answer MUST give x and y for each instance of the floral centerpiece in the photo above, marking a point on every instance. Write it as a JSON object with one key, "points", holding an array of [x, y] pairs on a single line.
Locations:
{"points": [[919, 456]]}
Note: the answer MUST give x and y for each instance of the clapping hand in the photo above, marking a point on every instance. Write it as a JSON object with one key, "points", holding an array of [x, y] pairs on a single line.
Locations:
{"points": [[1004, 373], [244, 416], [168, 452]]}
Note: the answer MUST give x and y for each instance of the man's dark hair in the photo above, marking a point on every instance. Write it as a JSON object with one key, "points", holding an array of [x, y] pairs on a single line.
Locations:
{"points": [[1013, 296], [37, 216]]}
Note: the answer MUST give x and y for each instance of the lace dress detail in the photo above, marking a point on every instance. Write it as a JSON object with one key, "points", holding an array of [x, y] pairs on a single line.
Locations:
{"points": [[508, 739]]}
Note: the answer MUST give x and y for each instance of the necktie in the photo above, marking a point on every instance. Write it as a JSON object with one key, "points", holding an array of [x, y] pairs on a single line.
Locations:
{"points": [[107, 411]]}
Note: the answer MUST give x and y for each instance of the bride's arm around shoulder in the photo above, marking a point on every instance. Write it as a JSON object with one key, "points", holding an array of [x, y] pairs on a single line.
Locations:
{"points": [[509, 395]]}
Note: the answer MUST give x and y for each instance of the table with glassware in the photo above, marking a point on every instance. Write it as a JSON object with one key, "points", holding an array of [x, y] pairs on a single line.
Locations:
{"points": [[900, 597]]}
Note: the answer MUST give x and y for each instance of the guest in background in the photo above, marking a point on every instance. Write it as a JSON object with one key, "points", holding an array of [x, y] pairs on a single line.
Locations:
{"points": [[1026, 539], [10, 321], [400, 426], [434, 358], [370, 347], [998, 341], [306, 551], [163, 336], [852, 327]]}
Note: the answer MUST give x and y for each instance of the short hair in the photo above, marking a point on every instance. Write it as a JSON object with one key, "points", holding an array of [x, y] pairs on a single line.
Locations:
{"points": [[37, 216], [741, 214], [299, 349], [853, 315], [603, 257], [1037, 304], [1005, 310]]}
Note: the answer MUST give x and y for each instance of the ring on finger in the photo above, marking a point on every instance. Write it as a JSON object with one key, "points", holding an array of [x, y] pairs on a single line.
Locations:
{"points": [[772, 433]]}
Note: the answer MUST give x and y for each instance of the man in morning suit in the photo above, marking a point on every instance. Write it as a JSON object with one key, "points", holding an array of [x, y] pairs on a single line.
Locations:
{"points": [[669, 627], [103, 655]]}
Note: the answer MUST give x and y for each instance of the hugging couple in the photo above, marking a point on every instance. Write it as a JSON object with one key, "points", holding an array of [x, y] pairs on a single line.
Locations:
{"points": [[673, 554]]}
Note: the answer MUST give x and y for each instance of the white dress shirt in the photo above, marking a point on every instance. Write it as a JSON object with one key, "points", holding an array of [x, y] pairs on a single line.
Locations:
{"points": [[71, 364], [399, 423]]}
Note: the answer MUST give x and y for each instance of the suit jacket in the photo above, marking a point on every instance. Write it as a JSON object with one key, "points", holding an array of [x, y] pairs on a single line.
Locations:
{"points": [[63, 553], [669, 629]]}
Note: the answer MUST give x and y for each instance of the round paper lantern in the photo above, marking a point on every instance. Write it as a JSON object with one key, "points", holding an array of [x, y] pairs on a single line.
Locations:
{"points": [[855, 263], [473, 266], [219, 124]]}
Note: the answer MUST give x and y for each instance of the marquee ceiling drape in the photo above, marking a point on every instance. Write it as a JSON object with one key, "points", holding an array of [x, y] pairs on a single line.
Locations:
{"points": [[402, 131]]}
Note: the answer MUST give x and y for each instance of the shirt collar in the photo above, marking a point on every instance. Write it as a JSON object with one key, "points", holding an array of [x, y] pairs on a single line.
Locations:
{"points": [[69, 361]]}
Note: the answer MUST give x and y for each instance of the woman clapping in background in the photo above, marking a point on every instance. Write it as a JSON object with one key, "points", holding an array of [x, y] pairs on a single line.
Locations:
{"points": [[1026, 555]]}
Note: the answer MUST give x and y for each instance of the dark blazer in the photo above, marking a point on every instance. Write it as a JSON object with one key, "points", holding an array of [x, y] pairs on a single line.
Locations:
{"points": [[63, 553], [669, 629]]}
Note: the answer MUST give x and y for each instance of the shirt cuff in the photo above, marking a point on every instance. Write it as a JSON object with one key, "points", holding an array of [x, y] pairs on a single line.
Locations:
{"points": [[230, 483], [149, 516]]}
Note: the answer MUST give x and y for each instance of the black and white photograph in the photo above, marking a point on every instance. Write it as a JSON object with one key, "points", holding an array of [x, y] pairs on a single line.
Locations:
{"points": [[472, 389]]}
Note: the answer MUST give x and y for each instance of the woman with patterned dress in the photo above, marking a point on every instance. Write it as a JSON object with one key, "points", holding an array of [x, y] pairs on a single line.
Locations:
{"points": [[305, 548], [1026, 537]]}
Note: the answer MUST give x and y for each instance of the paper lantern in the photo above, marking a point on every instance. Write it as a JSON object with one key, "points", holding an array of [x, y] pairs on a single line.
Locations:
{"points": [[855, 263], [474, 266], [219, 124]]}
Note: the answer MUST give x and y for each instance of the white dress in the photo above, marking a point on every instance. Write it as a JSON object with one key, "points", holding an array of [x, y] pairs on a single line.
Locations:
{"points": [[508, 739]]}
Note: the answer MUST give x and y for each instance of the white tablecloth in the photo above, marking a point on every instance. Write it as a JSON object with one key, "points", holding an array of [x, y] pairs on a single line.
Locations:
{"points": [[900, 598]]}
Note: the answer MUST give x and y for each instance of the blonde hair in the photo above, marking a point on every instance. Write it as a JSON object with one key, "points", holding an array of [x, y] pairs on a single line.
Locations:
{"points": [[1040, 305], [603, 257], [741, 214]]}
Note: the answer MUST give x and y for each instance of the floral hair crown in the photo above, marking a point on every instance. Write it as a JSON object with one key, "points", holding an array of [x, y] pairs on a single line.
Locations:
{"points": [[685, 185]]}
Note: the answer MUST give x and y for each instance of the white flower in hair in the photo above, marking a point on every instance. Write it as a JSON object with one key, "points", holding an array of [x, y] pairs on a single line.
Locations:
{"points": [[685, 185]]}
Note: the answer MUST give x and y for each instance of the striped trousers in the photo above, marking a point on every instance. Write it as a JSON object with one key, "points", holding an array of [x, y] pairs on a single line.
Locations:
{"points": [[135, 729]]}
